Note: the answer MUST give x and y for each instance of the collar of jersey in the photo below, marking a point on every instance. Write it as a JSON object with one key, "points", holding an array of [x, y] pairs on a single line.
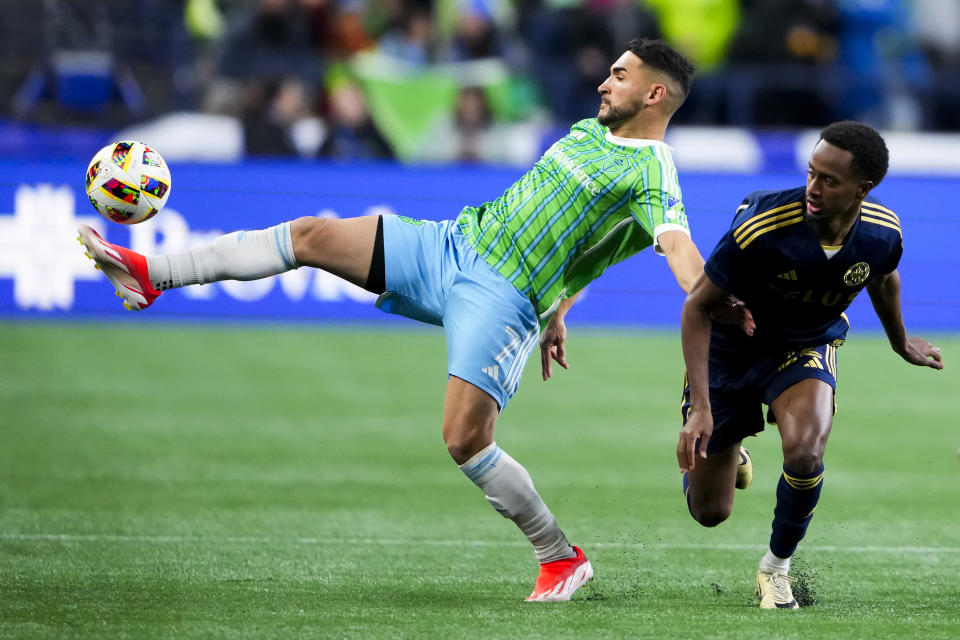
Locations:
{"points": [[635, 142]]}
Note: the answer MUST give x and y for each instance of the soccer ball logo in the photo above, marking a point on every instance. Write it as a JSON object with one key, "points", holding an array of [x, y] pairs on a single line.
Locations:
{"points": [[128, 182]]}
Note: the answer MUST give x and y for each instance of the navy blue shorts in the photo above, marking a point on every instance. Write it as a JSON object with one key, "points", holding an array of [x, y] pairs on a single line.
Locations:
{"points": [[743, 380]]}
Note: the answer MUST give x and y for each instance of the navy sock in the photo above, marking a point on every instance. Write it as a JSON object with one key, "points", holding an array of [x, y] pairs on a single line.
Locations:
{"points": [[686, 492], [797, 497]]}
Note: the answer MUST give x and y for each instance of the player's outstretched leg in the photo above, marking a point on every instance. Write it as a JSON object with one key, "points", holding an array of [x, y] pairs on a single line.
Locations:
{"points": [[243, 255], [126, 270], [344, 248]]}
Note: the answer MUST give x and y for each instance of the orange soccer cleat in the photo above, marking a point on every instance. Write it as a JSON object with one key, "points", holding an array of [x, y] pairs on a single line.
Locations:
{"points": [[125, 269], [559, 579]]}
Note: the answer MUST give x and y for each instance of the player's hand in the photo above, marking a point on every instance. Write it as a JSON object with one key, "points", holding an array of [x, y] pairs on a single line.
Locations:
{"points": [[921, 353], [553, 345], [733, 310], [699, 427]]}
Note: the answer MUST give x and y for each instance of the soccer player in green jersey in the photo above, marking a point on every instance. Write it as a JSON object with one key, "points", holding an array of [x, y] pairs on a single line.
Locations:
{"points": [[493, 276]]}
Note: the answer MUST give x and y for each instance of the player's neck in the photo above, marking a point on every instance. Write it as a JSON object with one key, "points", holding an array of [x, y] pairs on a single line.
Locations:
{"points": [[833, 231], [640, 130]]}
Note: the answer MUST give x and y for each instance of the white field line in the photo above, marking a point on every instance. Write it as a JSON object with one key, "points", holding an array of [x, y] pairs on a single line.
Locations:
{"points": [[253, 540]]}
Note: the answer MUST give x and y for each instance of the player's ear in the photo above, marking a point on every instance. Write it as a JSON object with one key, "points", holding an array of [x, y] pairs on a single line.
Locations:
{"points": [[864, 188], [656, 93]]}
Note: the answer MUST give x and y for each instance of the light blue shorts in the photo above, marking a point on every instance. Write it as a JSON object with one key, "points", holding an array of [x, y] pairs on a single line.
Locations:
{"points": [[433, 275]]}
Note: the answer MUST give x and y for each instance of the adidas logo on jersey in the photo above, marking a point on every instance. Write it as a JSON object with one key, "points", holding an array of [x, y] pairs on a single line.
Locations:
{"points": [[788, 275], [493, 372]]}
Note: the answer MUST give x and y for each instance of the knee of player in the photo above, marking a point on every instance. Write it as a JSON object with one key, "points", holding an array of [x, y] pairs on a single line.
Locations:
{"points": [[710, 515], [458, 450], [308, 234], [804, 459], [463, 444], [466, 433]]}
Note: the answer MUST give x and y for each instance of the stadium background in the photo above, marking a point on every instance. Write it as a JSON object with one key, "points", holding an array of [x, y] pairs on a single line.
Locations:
{"points": [[270, 109]]}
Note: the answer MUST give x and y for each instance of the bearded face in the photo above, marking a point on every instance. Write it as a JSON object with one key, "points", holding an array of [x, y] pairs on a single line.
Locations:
{"points": [[621, 94], [611, 115]]}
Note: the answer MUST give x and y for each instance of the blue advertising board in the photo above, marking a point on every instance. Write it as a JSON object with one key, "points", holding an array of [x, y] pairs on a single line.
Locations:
{"points": [[43, 272]]}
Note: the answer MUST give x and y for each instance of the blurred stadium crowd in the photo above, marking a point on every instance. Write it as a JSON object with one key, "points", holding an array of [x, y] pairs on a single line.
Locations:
{"points": [[463, 80]]}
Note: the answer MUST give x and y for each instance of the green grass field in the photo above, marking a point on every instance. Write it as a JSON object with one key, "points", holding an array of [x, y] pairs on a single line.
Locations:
{"points": [[170, 482]]}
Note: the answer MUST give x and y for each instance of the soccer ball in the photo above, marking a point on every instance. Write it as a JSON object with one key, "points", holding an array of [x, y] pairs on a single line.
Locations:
{"points": [[128, 182]]}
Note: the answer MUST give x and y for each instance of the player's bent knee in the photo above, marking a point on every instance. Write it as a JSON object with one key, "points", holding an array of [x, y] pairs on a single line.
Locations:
{"points": [[459, 452], [803, 460], [463, 450], [710, 515], [463, 445]]}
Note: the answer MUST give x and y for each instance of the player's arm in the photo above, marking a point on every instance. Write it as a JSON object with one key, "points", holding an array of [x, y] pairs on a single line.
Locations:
{"points": [[684, 258], [695, 327], [687, 265], [554, 338], [885, 295]]}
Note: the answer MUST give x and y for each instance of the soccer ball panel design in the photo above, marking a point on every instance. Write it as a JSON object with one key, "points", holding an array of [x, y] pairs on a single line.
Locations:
{"points": [[127, 182]]}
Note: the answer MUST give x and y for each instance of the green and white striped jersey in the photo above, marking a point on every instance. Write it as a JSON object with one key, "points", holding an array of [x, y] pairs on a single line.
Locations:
{"points": [[591, 201]]}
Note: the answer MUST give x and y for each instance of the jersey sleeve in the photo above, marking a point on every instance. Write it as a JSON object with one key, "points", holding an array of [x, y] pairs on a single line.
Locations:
{"points": [[884, 224], [895, 244], [894, 259], [656, 202]]}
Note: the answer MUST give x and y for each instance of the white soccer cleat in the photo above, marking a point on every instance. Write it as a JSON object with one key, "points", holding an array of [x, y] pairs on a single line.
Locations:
{"points": [[744, 469], [125, 269], [559, 579], [774, 591]]}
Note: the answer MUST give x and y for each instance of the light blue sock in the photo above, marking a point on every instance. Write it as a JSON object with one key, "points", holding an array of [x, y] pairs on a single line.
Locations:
{"points": [[509, 489]]}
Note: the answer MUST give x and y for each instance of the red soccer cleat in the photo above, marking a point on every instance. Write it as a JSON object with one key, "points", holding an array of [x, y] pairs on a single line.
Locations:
{"points": [[559, 579], [125, 269]]}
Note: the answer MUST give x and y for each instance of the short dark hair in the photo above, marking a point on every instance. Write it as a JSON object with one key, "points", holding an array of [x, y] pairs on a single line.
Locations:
{"points": [[870, 156], [662, 57]]}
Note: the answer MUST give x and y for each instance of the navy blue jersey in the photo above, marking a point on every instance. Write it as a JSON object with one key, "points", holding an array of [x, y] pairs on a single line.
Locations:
{"points": [[772, 260]]}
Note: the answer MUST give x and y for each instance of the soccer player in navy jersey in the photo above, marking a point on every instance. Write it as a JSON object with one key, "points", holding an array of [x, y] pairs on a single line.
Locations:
{"points": [[797, 258]]}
